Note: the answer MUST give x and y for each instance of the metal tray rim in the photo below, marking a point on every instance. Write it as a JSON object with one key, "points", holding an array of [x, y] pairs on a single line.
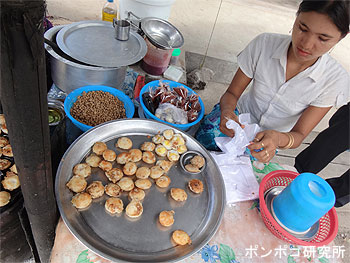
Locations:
{"points": [[214, 229]]}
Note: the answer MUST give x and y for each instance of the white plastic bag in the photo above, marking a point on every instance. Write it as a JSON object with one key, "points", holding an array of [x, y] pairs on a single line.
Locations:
{"points": [[237, 145], [236, 169], [170, 113], [240, 181]]}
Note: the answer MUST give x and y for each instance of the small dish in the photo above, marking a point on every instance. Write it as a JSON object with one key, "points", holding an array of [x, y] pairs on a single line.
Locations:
{"points": [[186, 158]]}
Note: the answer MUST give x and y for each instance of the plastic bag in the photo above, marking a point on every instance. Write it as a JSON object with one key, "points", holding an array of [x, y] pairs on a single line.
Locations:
{"points": [[177, 96], [236, 169], [170, 113], [240, 181], [236, 146]]}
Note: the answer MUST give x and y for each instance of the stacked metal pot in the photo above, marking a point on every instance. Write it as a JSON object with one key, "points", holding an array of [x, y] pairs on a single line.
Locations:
{"points": [[87, 53]]}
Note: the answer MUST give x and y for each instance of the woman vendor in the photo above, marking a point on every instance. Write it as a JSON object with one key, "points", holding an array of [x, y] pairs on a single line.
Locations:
{"points": [[294, 81]]}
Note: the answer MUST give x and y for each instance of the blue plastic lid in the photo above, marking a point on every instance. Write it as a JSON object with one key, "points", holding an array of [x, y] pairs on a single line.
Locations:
{"points": [[111, 1]]}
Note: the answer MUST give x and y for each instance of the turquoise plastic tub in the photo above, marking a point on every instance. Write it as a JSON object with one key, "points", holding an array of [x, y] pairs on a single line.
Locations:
{"points": [[303, 202], [152, 86], [72, 97]]}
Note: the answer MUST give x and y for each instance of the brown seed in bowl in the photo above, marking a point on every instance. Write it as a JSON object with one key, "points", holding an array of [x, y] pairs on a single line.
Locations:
{"points": [[178, 194], [95, 107], [196, 186], [181, 238], [166, 218]]}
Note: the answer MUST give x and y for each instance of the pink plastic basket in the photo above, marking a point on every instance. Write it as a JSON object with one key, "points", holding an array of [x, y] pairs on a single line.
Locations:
{"points": [[328, 224]]}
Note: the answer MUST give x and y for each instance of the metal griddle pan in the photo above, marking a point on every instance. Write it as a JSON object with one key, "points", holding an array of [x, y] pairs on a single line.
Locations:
{"points": [[121, 239]]}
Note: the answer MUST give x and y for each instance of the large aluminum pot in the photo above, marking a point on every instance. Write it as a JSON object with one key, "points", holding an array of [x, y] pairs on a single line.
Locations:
{"points": [[68, 75]]}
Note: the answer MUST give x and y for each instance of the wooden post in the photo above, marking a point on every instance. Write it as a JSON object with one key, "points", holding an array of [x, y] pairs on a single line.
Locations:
{"points": [[23, 96]]}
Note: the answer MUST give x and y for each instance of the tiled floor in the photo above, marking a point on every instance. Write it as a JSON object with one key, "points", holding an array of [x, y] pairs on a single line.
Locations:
{"points": [[220, 29]]}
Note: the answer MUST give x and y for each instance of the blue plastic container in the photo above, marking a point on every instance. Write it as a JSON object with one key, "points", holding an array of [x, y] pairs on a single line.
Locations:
{"points": [[303, 202], [72, 97], [153, 85]]}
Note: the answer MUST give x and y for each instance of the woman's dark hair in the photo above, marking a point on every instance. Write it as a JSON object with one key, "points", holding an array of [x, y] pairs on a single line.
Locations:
{"points": [[337, 10]]}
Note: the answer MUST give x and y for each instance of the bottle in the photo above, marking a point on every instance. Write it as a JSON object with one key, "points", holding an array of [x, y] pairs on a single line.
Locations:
{"points": [[109, 11], [175, 56]]}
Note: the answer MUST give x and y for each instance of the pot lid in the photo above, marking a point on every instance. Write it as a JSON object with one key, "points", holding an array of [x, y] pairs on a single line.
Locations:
{"points": [[94, 43]]}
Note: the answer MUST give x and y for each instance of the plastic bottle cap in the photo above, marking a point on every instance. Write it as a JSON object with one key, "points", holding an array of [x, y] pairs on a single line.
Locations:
{"points": [[176, 52], [111, 1]]}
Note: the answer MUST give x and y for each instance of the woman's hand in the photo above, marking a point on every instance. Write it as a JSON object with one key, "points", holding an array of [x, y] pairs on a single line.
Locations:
{"points": [[265, 143], [228, 101], [225, 116]]}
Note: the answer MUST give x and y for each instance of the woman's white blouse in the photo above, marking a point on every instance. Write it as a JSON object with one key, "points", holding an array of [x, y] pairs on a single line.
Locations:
{"points": [[276, 104]]}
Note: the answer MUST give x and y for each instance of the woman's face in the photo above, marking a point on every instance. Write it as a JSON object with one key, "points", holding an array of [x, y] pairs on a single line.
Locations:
{"points": [[313, 35]]}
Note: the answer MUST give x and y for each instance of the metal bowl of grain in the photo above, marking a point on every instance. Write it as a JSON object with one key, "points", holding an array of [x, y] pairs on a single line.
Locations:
{"points": [[89, 106]]}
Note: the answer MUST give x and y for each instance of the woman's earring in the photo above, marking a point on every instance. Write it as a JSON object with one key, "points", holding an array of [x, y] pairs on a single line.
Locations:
{"points": [[290, 31]]}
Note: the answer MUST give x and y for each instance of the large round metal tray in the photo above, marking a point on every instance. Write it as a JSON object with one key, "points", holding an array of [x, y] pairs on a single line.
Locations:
{"points": [[94, 43], [121, 239]]}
